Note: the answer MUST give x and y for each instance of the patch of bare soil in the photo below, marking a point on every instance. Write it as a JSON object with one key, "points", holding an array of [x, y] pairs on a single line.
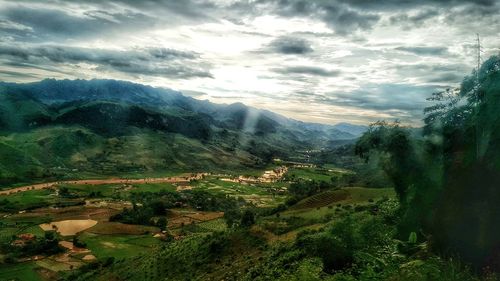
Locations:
{"points": [[69, 227]]}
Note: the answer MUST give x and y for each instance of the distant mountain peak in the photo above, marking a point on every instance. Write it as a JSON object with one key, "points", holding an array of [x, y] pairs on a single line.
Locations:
{"points": [[355, 130]]}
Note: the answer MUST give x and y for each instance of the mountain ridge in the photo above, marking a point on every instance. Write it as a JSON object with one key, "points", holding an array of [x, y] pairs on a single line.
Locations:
{"points": [[112, 127], [165, 96]]}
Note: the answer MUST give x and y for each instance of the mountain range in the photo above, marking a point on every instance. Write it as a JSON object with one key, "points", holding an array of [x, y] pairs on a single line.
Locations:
{"points": [[50, 127]]}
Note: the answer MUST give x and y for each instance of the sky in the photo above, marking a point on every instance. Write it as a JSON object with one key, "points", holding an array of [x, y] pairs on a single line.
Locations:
{"points": [[354, 61]]}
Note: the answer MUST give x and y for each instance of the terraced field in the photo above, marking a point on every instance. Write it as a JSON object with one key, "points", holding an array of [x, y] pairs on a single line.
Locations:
{"points": [[118, 246], [213, 225], [347, 195], [322, 199]]}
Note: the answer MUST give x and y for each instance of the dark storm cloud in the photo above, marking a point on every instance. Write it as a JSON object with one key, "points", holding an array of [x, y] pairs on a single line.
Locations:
{"points": [[150, 61], [424, 51], [290, 46], [307, 70]]}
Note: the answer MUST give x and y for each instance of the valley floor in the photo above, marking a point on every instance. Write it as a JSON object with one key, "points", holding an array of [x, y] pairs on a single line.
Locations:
{"points": [[80, 211]]}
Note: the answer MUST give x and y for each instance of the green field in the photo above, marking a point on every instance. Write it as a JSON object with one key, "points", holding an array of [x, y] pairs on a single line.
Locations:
{"points": [[30, 199], [19, 272], [152, 187], [118, 246]]}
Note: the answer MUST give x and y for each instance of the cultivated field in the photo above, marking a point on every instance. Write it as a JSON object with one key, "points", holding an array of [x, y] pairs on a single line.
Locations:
{"points": [[82, 210]]}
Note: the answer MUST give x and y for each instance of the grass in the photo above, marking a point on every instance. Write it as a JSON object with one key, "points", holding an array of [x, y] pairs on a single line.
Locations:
{"points": [[30, 199], [118, 246], [152, 187], [21, 271]]}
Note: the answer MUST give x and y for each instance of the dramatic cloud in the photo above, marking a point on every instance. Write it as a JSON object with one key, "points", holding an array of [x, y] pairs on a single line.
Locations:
{"points": [[150, 61], [54, 24], [339, 16], [325, 61]]}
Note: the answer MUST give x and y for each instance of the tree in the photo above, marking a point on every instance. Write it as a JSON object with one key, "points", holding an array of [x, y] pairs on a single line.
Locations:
{"points": [[391, 143], [158, 208], [447, 181], [248, 218], [232, 216], [162, 223]]}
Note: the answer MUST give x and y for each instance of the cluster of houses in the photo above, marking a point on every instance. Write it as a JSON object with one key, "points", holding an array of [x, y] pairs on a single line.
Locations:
{"points": [[269, 176], [273, 175]]}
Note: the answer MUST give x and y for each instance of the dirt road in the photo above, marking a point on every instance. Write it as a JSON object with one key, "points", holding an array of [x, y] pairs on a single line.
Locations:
{"points": [[178, 179]]}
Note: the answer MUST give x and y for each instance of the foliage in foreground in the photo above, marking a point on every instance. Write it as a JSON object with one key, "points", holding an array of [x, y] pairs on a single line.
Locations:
{"points": [[447, 181], [359, 246]]}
